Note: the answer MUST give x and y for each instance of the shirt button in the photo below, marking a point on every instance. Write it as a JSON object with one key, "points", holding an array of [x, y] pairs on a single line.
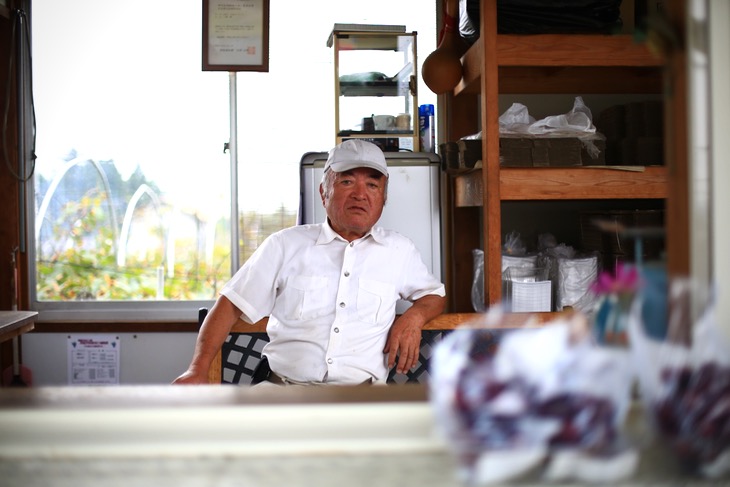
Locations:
{"points": [[352, 244], [329, 361], [337, 330], [347, 274], [342, 305]]}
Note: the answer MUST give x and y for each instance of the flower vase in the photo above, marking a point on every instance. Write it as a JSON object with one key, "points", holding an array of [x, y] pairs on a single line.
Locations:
{"points": [[611, 319]]}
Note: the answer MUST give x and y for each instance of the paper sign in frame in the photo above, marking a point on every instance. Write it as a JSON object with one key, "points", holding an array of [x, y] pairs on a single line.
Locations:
{"points": [[236, 35]]}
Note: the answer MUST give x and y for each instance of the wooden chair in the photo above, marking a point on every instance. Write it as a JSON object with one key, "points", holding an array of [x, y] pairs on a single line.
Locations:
{"points": [[248, 354], [257, 331]]}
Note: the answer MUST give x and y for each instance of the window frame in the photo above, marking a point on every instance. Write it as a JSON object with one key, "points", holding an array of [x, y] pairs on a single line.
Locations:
{"points": [[128, 311]]}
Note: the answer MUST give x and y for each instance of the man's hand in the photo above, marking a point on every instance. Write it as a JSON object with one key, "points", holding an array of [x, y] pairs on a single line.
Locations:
{"points": [[191, 377], [404, 341], [404, 338]]}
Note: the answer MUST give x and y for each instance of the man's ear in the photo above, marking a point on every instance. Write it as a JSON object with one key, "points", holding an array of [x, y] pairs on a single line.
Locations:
{"points": [[321, 193]]}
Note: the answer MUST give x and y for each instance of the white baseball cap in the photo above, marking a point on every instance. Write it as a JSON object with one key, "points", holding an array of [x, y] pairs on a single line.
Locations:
{"points": [[356, 153]]}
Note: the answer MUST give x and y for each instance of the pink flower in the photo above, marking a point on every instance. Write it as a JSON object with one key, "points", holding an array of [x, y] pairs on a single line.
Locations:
{"points": [[626, 279]]}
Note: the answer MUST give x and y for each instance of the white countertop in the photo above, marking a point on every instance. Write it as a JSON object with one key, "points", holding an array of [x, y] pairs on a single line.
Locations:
{"points": [[231, 436]]}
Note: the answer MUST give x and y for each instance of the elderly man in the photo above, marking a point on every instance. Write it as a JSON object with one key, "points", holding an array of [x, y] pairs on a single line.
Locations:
{"points": [[330, 289]]}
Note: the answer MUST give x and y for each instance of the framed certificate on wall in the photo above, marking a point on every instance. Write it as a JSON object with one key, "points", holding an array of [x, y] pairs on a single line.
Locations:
{"points": [[236, 35]]}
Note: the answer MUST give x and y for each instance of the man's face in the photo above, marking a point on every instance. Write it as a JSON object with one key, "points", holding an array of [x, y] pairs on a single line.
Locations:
{"points": [[355, 202]]}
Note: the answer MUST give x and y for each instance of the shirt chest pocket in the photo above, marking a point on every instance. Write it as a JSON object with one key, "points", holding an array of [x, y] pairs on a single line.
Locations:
{"points": [[307, 297], [375, 300]]}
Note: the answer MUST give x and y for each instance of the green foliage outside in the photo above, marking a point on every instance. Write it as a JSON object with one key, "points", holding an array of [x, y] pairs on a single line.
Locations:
{"points": [[82, 264]]}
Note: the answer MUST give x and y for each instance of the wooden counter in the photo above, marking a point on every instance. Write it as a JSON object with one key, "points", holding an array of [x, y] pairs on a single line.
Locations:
{"points": [[15, 323]]}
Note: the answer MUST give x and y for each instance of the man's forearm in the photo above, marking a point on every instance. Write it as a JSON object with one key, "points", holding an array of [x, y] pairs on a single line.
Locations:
{"points": [[426, 308], [214, 331]]}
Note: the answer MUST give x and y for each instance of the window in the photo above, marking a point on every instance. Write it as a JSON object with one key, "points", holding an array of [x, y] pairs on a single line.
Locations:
{"points": [[132, 187]]}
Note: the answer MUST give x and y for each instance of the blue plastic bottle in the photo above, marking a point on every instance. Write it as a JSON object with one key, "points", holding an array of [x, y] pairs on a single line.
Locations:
{"points": [[426, 128]]}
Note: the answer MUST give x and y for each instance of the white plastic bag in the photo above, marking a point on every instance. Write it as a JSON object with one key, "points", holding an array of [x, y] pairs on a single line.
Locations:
{"points": [[578, 121], [685, 379], [543, 394], [515, 120]]}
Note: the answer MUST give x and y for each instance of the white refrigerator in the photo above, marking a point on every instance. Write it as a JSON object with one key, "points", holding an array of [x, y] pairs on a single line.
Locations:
{"points": [[413, 207]]}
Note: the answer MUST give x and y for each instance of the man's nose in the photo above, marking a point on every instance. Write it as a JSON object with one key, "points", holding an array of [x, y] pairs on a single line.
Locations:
{"points": [[359, 189]]}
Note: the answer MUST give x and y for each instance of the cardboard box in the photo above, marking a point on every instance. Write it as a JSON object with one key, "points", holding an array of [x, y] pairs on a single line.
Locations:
{"points": [[524, 152], [549, 152]]}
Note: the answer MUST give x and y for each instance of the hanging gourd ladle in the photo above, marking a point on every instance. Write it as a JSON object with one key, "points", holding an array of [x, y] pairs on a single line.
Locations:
{"points": [[441, 70]]}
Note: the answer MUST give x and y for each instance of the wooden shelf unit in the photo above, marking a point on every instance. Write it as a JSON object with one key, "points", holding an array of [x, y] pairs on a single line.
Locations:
{"points": [[535, 64], [557, 183], [563, 63]]}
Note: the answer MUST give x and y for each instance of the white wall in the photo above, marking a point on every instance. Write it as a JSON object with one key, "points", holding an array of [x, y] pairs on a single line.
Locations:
{"points": [[708, 106], [145, 358]]}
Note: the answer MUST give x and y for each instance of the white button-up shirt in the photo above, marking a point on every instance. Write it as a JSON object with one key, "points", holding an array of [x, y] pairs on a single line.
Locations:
{"points": [[330, 302]]}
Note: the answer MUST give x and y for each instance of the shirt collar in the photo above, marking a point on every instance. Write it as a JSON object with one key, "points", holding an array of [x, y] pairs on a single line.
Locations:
{"points": [[327, 235]]}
